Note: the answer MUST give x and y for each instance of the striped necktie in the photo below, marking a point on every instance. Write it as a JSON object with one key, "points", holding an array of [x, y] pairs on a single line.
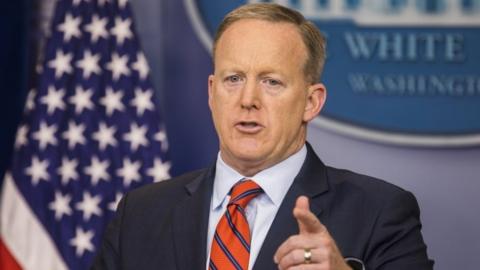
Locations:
{"points": [[231, 242]]}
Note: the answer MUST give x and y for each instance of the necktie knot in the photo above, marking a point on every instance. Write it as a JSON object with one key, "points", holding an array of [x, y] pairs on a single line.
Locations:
{"points": [[243, 192]]}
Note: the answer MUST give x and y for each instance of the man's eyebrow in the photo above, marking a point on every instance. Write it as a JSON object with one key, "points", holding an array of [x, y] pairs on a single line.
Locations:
{"points": [[231, 70], [268, 72], [271, 72], [263, 73]]}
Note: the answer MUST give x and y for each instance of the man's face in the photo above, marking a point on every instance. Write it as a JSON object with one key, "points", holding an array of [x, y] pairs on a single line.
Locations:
{"points": [[258, 95]]}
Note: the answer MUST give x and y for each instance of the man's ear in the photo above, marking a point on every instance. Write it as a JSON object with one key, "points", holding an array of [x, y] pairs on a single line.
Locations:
{"points": [[210, 90], [316, 96]]}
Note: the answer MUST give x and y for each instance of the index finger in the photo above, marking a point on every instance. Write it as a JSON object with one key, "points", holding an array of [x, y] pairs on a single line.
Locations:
{"points": [[307, 221]]}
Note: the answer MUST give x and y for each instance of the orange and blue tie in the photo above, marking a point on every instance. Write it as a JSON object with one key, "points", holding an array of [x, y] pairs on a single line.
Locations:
{"points": [[231, 242]]}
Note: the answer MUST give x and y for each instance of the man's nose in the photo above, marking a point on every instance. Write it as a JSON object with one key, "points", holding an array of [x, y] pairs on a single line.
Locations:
{"points": [[250, 97]]}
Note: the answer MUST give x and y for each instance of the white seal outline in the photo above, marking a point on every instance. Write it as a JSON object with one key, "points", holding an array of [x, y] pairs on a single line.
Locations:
{"points": [[355, 131]]}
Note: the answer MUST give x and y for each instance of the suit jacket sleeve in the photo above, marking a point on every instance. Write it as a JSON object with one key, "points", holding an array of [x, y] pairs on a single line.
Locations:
{"points": [[396, 241]]}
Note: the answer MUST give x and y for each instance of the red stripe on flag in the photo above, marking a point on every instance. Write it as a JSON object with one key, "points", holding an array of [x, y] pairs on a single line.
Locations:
{"points": [[7, 261]]}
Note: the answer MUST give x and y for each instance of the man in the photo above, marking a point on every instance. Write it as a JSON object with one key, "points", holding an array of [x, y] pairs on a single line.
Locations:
{"points": [[269, 202]]}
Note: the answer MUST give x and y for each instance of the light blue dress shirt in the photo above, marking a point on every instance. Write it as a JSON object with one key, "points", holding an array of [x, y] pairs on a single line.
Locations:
{"points": [[275, 182]]}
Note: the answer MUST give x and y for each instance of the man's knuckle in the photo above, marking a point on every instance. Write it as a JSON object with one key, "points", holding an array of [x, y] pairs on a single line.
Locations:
{"points": [[326, 243], [329, 243], [314, 221]]}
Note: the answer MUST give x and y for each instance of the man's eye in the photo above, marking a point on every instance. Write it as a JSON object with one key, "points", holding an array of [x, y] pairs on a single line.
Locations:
{"points": [[233, 79], [272, 82]]}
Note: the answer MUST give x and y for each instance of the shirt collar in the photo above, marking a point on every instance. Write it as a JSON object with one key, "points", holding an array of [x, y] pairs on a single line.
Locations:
{"points": [[275, 181]]}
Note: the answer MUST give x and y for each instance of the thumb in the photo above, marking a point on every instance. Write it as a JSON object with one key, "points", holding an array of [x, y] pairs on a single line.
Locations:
{"points": [[307, 221]]}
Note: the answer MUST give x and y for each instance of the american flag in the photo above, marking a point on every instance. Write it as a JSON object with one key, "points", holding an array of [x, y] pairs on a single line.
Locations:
{"points": [[90, 133]]}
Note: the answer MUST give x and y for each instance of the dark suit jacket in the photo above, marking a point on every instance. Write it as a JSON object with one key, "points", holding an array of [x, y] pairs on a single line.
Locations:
{"points": [[164, 225]]}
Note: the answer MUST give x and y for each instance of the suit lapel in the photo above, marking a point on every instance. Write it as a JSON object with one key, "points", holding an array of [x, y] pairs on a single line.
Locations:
{"points": [[190, 223], [312, 182]]}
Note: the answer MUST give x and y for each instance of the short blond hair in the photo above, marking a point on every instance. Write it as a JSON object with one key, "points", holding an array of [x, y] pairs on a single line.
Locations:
{"points": [[312, 37]]}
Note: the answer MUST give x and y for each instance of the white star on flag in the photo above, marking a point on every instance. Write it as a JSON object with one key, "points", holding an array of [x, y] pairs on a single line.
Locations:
{"points": [[112, 101], [74, 134], [61, 63], [129, 172], [136, 136], [89, 205], [38, 170], [97, 170], [105, 136], [54, 99], [21, 138], [113, 205], [82, 241], [142, 100], [118, 66], [161, 136], [77, 2], [121, 30], [97, 28], [61, 205], [159, 171], [103, 2], [122, 3], [70, 27], [82, 99], [68, 170], [30, 104], [89, 64], [141, 66], [45, 135]]}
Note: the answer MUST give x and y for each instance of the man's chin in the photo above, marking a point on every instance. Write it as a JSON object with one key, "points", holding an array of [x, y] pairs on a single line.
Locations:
{"points": [[247, 154], [245, 158], [249, 150]]}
